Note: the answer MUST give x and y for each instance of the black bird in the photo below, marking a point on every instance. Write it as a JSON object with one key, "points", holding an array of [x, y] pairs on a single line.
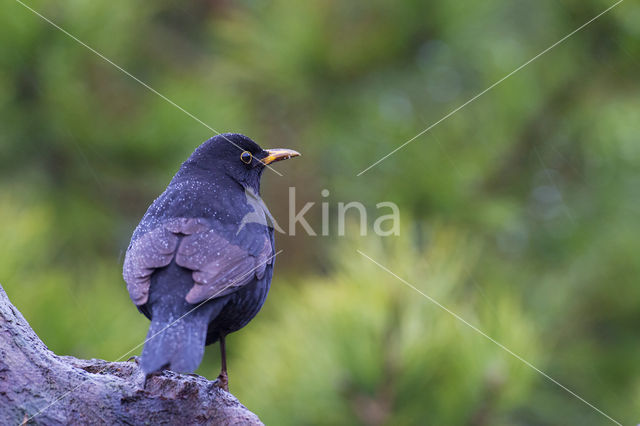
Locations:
{"points": [[194, 267]]}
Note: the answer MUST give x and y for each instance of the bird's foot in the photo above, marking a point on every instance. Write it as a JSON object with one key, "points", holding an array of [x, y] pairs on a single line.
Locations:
{"points": [[135, 359], [222, 381]]}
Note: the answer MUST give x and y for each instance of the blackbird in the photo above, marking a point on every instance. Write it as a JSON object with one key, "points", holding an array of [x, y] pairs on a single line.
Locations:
{"points": [[196, 267]]}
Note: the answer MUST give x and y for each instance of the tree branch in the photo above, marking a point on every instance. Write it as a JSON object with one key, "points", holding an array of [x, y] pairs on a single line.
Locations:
{"points": [[40, 387]]}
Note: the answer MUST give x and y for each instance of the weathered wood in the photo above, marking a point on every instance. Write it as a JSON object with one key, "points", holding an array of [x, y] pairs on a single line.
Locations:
{"points": [[40, 387]]}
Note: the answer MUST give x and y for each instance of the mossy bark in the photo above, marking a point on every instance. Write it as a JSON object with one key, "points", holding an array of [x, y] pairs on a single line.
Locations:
{"points": [[40, 387]]}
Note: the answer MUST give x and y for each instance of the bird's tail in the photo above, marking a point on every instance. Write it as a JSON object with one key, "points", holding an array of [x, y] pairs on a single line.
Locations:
{"points": [[175, 345]]}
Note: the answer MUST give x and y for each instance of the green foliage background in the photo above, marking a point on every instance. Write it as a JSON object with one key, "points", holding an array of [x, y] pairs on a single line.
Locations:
{"points": [[520, 212]]}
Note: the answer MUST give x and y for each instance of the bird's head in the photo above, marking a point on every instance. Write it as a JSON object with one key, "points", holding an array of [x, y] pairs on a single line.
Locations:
{"points": [[236, 156]]}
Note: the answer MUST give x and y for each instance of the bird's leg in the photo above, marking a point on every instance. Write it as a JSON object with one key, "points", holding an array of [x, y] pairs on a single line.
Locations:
{"points": [[223, 379]]}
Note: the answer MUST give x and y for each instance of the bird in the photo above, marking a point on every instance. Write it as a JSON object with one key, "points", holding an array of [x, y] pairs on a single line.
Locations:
{"points": [[200, 262]]}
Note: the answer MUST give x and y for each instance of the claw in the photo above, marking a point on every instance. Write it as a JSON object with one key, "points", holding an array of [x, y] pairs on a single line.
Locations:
{"points": [[222, 381]]}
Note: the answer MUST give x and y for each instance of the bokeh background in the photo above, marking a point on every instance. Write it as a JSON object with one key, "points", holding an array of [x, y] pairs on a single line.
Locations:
{"points": [[520, 212]]}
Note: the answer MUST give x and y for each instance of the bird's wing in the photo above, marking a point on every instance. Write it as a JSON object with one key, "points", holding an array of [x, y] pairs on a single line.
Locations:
{"points": [[152, 250], [219, 266]]}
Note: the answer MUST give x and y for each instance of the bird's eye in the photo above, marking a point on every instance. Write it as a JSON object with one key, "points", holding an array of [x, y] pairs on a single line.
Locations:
{"points": [[246, 157]]}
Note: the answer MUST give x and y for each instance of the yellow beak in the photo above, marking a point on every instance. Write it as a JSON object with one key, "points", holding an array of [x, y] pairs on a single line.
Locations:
{"points": [[279, 154]]}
